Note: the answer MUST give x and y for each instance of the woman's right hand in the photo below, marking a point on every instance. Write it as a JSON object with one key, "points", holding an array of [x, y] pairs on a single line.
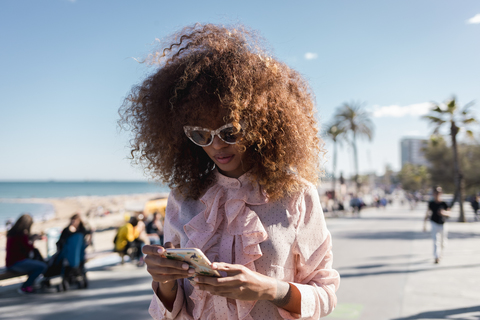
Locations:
{"points": [[163, 270]]}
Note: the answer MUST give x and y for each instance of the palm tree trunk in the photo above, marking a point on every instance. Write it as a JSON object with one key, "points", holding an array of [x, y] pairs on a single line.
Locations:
{"points": [[355, 155], [457, 172], [334, 169]]}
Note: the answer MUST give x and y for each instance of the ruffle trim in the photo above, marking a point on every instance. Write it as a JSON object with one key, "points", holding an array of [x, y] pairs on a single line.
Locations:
{"points": [[242, 223]]}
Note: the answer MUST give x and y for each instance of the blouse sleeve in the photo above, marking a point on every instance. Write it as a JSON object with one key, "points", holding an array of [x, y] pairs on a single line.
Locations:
{"points": [[157, 310], [314, 276]]}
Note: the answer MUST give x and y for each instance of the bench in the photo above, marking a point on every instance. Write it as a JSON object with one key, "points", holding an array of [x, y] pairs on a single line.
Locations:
{"points": [[6, 275]]}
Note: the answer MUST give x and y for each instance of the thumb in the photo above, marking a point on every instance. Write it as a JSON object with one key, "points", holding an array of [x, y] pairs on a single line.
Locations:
{"points": [[161, 250], [152, 249]]}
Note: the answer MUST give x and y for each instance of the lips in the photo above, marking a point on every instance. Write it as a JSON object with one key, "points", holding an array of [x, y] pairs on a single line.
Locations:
{"points": [[224, 158]]}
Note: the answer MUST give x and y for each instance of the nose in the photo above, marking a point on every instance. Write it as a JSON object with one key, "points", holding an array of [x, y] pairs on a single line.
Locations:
{"points": [[218, 143]]}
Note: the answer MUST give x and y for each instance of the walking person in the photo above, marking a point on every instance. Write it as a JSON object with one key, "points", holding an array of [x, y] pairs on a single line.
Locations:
{"points": [[475, 205], [437, 213], [233, 133]]}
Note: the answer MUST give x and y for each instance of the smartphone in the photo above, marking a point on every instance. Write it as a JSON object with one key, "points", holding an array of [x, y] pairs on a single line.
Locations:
{"points": [[195, 258]]}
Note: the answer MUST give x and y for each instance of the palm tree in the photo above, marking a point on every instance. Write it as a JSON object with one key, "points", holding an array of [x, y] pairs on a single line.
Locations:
{"points": [[458, 119], [355, 121], [334, 134]]}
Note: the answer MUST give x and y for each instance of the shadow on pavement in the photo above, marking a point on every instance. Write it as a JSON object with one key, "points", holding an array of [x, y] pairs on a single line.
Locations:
{"points": [[110, 298], [405, 235], [400, 256], [122, 310], [383, 265], [376, 218], [129, 310], [376, 273], [469, 313]]}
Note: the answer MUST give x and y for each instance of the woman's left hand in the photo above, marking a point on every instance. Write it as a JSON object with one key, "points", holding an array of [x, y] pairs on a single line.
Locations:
{"points": [[240, 283]]}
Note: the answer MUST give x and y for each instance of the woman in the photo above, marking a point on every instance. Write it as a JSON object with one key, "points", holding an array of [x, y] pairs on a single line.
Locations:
{"points": [[233, 133], [76, 225], [21, 252]]}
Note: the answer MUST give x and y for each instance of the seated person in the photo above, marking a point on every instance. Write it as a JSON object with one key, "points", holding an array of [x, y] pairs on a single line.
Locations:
{"points": [[155, 230], [76, 226], [22, 256], [128, 237]]}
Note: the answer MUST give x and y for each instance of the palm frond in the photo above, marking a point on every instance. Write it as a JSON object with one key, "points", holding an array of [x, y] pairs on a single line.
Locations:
{"points": [[467, 106], [437, 109], [335, 133], [451, 106], [354, 119], [470, 120], [434, 120]]}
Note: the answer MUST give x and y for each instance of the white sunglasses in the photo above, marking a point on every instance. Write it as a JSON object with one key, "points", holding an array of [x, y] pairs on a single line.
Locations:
{"points": [[204, 137]]}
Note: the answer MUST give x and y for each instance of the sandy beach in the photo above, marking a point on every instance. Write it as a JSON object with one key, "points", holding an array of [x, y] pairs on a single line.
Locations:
{"points": [[102, 213]]}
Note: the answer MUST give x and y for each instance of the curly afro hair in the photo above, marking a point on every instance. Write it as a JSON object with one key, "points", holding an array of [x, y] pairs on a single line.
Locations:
{"points": [[206, 70]]}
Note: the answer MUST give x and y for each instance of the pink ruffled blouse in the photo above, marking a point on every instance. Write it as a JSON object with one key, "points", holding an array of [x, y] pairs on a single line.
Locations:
{"points": [[235, 223]]}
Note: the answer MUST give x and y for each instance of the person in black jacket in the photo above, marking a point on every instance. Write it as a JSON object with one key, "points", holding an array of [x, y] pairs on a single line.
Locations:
{"points": [[438, 212], [475, 205], [75, 226]]}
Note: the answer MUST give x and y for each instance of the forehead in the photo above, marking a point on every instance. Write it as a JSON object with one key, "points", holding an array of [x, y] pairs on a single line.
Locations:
{"points": [[211, 120]]}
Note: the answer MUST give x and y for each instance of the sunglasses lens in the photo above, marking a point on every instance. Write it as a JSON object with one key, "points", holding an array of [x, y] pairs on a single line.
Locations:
{"points": [[228, 135], [200, 136]]}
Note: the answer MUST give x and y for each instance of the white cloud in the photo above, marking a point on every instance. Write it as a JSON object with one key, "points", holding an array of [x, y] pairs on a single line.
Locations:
{"points": [[474, 20], [396, 111], [311, 56]]}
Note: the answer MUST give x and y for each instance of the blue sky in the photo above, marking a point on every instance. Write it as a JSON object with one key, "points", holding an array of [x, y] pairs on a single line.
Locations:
{"points": [[66, 66]]}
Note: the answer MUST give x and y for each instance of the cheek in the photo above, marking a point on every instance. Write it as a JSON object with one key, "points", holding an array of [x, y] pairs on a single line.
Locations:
{"points": [[209, 151], [243, 156]]}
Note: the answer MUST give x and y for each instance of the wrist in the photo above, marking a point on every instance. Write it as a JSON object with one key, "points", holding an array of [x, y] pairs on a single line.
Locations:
{"points": [[167, 294], [167, 284], [282, 293], [271, 291]]}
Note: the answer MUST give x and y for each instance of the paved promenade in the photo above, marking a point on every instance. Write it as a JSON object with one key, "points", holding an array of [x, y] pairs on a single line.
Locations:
{"points": [[387, 270], [384, 258]]}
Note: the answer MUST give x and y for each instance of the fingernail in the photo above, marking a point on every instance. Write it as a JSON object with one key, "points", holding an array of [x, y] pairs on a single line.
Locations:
{"points": [[191, 270], [185, 266], [160, 250]]}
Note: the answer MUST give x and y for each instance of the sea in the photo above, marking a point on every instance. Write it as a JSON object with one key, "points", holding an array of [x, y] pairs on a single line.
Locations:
{"points": [[14, 195]]}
